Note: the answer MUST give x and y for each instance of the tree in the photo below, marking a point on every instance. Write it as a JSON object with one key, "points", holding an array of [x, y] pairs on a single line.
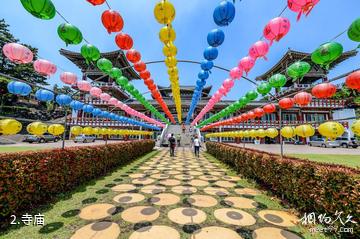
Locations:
{"points": [[351, 97], [67, 90], [22, 71]]}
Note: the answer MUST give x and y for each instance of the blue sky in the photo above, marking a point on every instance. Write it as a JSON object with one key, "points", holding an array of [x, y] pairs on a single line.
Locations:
{"points": [[192, 23]]}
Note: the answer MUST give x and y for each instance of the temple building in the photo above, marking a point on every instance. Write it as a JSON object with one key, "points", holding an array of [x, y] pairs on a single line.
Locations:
{"points": [[318, 110]]}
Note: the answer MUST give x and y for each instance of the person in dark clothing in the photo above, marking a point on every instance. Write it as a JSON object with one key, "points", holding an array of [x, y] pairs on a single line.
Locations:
{"points": [[172, 144]]}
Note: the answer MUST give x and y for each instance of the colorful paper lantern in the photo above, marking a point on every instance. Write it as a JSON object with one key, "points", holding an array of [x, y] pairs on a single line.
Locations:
{"points": [[298, 69], [96, 2], [302, 98], [215, 38], [261, 133], [105, 97], [56, 129], [269, 108], [246, 63], [164, 12], [353, 80], [70, 34], [84, 85], [95, 91], [90, 53], [259, 50], [10, 126], [112, 21], [76, 105], [224, 13], [140, 66], [277, 80], [44, 67], [305, 130], [19, 88], [104, 65], [63, 100], [286, 103], [87, 131], [288, 132], [167, 34], [276, 29], [133, 55], [271, 133], [43, 9], [76, 130], [18, 53], [124, 41], [331, 130], [37, 128], [169, 50], [264, 88], [302, 6], [236, 73], [251, 95], [68, 78], [323, 90], [354, 30], [259, 112], [115, 73], [88, 108], [327, 53], [355, 127], [44, 95]]}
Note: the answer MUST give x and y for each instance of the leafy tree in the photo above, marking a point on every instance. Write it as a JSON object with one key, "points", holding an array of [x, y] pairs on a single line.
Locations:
{"points": [[352, 98]]}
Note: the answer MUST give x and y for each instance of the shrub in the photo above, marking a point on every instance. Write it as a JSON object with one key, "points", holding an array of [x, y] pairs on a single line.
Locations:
{"points": [[309, 186], [29, 178]]}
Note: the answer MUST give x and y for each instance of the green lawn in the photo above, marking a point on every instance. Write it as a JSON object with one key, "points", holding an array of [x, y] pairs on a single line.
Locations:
{"points": [[347, 160], [7, 149]]}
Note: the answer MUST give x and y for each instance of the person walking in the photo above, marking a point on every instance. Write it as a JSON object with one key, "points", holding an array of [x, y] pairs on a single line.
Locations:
{"points": [[178, 139], [172, 144], [183, 128], [197, 146]]}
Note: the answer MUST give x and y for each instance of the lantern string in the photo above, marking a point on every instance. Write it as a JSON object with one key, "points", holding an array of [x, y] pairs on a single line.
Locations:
{"points": [[338, 35], [107, 4]]}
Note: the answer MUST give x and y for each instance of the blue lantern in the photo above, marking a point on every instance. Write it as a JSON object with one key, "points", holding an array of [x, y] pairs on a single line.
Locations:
{"points": [[76, 105], [19, 88], [211, 53], [224, 13], [112, 116], [105, 114], [216, 37], [207, 65], [203, 75], [63, 100], [88, 108], [44, 95], [96, 112]]}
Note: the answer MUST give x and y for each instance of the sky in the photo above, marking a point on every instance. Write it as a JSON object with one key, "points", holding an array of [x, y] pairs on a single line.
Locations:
{"points": [[192, 23]]}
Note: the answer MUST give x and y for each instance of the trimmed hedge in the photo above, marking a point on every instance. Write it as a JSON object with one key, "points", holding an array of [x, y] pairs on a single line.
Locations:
{"points": [[309, 186], [29, 178]]}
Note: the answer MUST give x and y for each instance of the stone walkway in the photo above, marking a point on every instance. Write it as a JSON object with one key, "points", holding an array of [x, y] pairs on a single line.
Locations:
{"points": [[184, 197]]}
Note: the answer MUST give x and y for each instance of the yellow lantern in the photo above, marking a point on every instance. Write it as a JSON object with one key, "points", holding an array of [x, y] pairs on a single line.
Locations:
{"points": [[170, 61], [76, 130], [103, 131], [246, 134], [164, 12], [88, 131], [37, 128], [56, 129], [288, 132], [173, 71], [169, 50], [271, 133], [355, 127], [305, 130], [331, 130], [167, 34], [10, 126], [252, 133], [260, 133], [96, 131]]}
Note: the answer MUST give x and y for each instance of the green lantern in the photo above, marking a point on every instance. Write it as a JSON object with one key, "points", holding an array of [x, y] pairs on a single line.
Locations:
{"points": [[251, 95], [243, 100], [238, 104], [43, 9], [104, 65], [264, 88], [122, 81], [354, 30], [277, 81], [115, 73], [327, 53], [90, 53], [298, 69], [70, 34]]}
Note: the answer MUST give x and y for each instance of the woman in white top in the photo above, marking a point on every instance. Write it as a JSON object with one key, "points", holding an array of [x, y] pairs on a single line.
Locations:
{"points": [[197, 146]]}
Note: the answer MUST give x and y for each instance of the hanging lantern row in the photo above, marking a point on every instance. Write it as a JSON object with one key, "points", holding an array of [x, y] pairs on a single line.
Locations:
{"points": [[77, 130], [223, 15], [164, 13]]}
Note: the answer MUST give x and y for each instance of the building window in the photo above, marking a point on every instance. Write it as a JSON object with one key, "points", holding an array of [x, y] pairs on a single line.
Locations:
{"points": [[269, 117], [289, 117], [315, 117]]}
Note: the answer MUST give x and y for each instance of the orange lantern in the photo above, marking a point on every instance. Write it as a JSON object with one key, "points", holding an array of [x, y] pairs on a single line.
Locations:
{"points": [[286, 103], [323, 90], [302, 98], [112, 21], [269, 108], [124, 41], [133, 55], [353, 80]]}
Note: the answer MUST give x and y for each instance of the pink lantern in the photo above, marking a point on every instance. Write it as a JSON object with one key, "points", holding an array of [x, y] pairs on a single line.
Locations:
{"points": [[113, 101], [302, 6], [84, 85], [236, 73], [17, 53], [44, 67], [276, 29], [259, 49], [68, 78], [246, 63], [228, 84], [223, 90], [105, 96], [95, 91]]}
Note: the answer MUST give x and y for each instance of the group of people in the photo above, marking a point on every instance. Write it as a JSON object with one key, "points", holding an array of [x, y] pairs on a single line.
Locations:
{"points": [[173, 141]]}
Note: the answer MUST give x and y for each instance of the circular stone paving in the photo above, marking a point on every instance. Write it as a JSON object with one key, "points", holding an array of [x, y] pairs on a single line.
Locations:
{"points": [[172, 172], [149, 172], [216, 191], [137, 175], [184, 190], [98, 230], [155, 232], [279, 218], [97, 211], [225, 184], [160, 176], [272, 232], [164, 199], [140, 214], [183, 177], [231, 178], [187, 215], [202, 201], [240, 202], [198, 183], [128, 198], [209, 177], [153, 189], [247, 191], [170, 182], [195, 173], [216, 233], [123, 188], [234, 217], [144, 181]]}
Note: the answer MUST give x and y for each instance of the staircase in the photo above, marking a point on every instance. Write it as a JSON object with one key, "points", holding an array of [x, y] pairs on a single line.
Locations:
{"points": [[176, 129]]}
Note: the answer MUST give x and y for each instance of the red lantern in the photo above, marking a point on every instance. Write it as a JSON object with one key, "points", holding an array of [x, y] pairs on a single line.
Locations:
{"points": [[251, 115], [124, 41], [269, 108], [96, 2], [152, 87], [133, 55], [245, 117], [238, 119], [286, 103], [259, 112], [140, 66], [148, 81], [112, 21], [323, 90], [145, 75], [156, 94], [353, 80], [302, 98]]}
